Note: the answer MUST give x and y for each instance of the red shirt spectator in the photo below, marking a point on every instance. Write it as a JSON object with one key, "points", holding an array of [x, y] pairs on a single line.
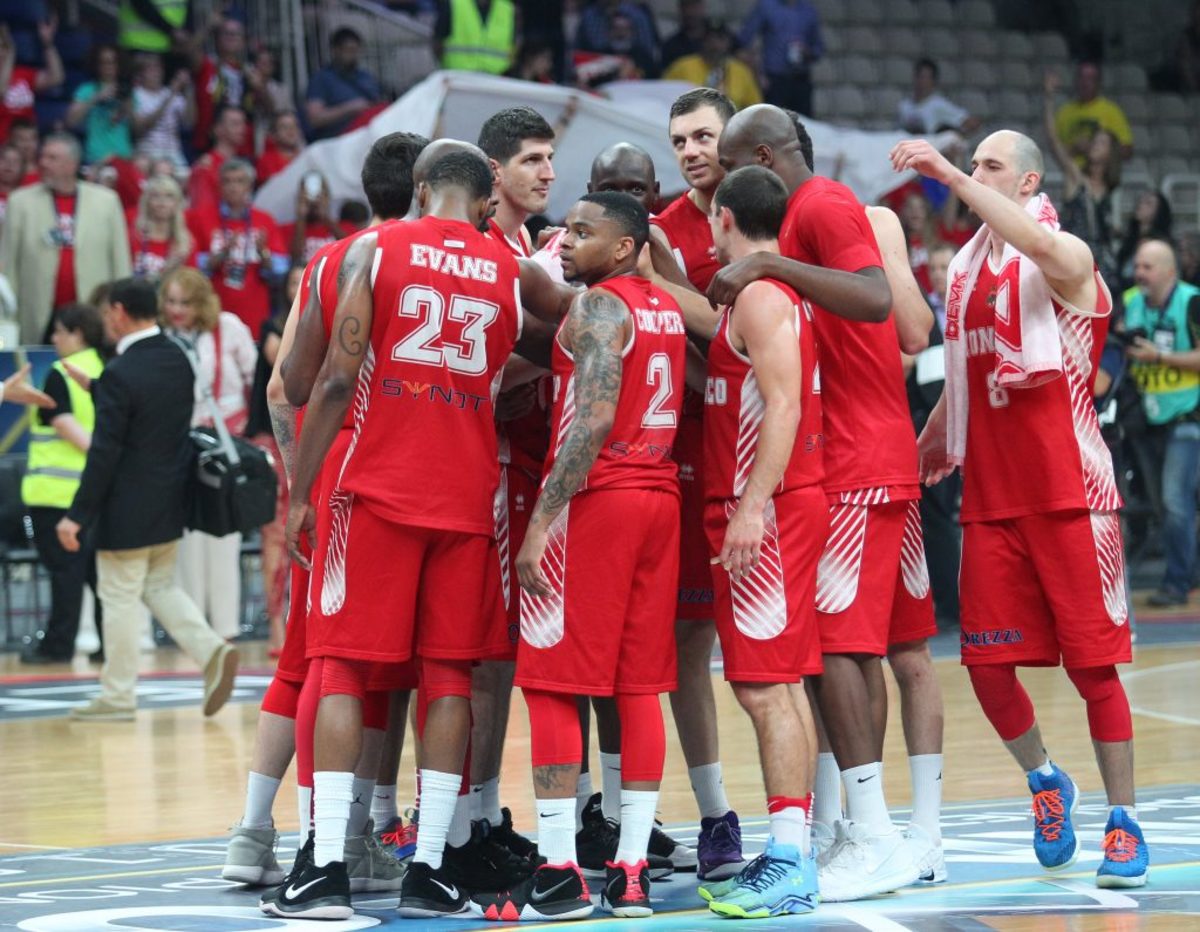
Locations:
{"points": [[284, 144], [225, 81], [314, 226], [230, 132], [19, 84]]}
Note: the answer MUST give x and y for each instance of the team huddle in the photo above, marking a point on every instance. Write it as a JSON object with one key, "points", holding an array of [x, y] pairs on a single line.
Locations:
{"points": [[571, 468]]}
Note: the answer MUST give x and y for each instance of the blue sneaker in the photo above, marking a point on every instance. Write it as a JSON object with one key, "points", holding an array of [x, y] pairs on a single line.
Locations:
{"points": [[779, 883], [1126, 858], [1054, 801], [719, 848]]}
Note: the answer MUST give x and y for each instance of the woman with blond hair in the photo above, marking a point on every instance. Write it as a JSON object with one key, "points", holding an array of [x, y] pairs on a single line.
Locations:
{"points": [[159, 241], [210, 567]]}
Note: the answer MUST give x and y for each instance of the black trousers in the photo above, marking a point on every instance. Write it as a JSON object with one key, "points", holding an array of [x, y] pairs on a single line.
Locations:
{"points": [[791, 90], [943, 544], [69, 572]]}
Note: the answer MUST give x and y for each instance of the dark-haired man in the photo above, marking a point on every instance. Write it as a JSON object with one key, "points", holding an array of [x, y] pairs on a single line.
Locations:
{"points": [[421, 386], [596, 618], [342, 94], [140, 453], [766, 520]]}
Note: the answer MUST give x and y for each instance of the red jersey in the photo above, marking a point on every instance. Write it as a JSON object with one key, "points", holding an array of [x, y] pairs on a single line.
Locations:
{"points": [[239, 283], [270, 163], [870, 447], [686, 228], [733, 412], [17, 102], [447, 315], [1033, 450], [637, 451], [149, 255]]}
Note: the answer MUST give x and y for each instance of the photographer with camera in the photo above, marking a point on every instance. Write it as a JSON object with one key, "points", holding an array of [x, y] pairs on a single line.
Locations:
{"points": [[315, 224], [1162, 323]]}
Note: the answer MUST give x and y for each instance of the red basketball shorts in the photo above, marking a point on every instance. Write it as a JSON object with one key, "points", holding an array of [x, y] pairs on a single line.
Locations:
{"points": [[767, 621], [515, 499], [387, 592], [1043, 589], [612, 560], [872, 581], [695, 599]]}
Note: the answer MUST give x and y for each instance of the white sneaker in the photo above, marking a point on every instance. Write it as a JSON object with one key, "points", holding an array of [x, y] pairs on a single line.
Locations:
{"points": [[250, 857], [929, 855], [867, 865], [824, 840], [370, 867]]}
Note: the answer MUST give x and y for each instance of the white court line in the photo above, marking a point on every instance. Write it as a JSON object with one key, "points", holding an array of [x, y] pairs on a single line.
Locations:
{"points": [[11, 844], [873, 921], [1164, 716], [1164, 668], [1146, 671], [1106, 898]]}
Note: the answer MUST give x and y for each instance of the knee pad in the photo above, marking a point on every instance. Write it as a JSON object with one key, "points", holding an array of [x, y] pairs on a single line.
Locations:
{"points": [[375, 709], [342, 677], [281, 698], [554, 733], [1109, 718], [643, 738], [1002, 698]]}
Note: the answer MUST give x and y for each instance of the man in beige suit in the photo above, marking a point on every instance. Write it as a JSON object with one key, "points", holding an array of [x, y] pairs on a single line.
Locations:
{"points": [[62, 238]]}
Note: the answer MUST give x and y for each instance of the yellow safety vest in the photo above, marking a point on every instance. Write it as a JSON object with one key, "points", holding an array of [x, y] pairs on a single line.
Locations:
{"points": [[474, 45], [55, 466], [139, 36]]}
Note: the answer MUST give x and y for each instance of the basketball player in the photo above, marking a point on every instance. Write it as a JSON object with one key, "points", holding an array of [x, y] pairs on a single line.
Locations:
{"points": [[1026, 319], [421, 383], [830, 257], [388, 184], [596, 616], [697, 118], [766, 520]]}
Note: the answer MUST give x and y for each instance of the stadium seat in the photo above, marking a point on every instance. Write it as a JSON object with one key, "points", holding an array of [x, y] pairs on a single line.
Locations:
{"points": [[974, 102], [832, 11], [864, 12], [978, 45], [1018, 47], [941, 45], [936, 13], [825, 72], [1018, 106], [864, 40], [951, 75], [983, 75], [834, 39], [1127, 77], [885, 102], [1170, 108], [861, 70], [1019, 76], [1175, 140], [1050, 47], [977, 13], [849, 104], [897, 71], [907, 42], [902, 13]]}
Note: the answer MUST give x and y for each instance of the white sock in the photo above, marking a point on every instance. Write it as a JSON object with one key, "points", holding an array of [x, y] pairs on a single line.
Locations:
{"points": [[439, 796], [583, 792], [360, 806], [864, 798], [1046, 770], [333, 791], [491, 801], [556, 830], [476, 803], [383, 805], [926, 771], [460, 825], [260, 797], [709, 787], [610, 786], [827, 790], [637, 820], [787, 827], [304, 800]]}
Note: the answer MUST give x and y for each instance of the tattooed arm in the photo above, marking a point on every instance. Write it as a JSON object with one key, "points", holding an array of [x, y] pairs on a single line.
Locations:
{"points": [[596, 333], [283, 415], [335, 384], [304, 361]]}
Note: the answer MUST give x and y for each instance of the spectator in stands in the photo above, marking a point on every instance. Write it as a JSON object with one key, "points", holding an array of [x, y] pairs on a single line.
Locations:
{"points": [[20, 84], [159, 239], [1151, 219], [315, 226], [693, 25], [544, 21], [230, 132], [1163, 318], [1078, 119], [12, 170], [619, 27], [535, 62], [210, 567], [715, 67], [59, 441], [342, 95], [1086, 207], [23, 135], [282, 145], [920, 229], [1188, 245], [101, 109], [475, 35], [62, 238], [266, 64], [239, 247], [927, 111], [158, 27], [791, 43], [1186, 70], [161, 112], [226, 81], [354, 216]]}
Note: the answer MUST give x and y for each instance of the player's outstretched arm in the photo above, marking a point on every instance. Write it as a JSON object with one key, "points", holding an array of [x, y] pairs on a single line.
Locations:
{"points": [[596, 334], [335, 384], [765, 321], [862, 295], [910, 310], [280, 410], [1065, 260], [310, 344]]}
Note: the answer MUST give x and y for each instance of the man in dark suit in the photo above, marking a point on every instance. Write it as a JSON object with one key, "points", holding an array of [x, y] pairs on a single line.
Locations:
{"points": [[134, 490]]}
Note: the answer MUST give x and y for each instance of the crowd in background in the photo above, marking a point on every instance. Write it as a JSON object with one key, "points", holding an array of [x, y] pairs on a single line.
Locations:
{"points": [[141, 157]]}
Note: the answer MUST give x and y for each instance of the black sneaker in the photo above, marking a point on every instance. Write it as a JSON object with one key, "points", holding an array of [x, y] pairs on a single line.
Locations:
{"points": [[627, 890], [662, 845], [552, 893], [304, 856], [484, 865], [429, 892], [504, 834], [596, 844], [316, 893]]}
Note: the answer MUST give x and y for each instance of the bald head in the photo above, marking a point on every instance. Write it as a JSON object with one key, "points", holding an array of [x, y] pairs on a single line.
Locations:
{"points": [[764, 135], [1010, 163], [436, 150], [1155, 270], [1026, 155], [628, 169]]}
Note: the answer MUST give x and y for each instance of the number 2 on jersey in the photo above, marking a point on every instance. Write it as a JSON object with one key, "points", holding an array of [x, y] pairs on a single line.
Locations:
{"points": [[658, 374], [429, 346]]}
